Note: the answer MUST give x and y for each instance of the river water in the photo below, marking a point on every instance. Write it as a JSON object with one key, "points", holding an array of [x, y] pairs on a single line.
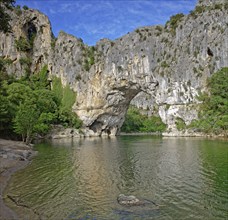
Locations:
{"points": [[185, 178]]}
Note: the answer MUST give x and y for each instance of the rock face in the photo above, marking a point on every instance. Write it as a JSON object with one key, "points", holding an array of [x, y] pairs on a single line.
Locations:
{"points": [[59, 132], [159, 69], [210, 2], [35, 28]]}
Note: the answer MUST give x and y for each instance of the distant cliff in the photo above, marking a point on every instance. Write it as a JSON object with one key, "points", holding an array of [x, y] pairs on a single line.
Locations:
{"points": [[161, 69]]}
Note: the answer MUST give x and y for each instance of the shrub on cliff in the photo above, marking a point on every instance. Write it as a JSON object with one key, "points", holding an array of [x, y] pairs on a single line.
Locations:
{"points": [[174, 22], [5, 17], [22, 44], [25, 7], [213, 116]]}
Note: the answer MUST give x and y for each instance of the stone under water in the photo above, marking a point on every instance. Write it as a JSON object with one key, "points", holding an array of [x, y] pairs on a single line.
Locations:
{"points": [[132, 201]]}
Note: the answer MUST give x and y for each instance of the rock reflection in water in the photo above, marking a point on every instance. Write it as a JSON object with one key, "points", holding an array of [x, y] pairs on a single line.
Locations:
{"points": [[82, 178]]}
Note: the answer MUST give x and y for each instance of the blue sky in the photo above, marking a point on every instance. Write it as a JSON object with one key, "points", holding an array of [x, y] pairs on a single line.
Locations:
{"points": [[93, 20]]}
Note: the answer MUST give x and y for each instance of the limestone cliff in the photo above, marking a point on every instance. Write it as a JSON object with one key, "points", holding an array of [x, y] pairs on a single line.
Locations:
{"points": [[161, 69], [28, 46]]}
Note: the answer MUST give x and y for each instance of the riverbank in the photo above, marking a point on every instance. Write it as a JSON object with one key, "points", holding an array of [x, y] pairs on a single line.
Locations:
{"points": [[177, 134], [14, 155], [140, 134]]}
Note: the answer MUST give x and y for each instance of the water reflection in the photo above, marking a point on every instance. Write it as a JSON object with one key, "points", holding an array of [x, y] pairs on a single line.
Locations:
{"points": [[93, 172], [81, 178]]}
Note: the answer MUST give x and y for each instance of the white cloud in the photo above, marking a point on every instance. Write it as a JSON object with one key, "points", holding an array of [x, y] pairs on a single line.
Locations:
{"points": [[94, 19], [52, 11]]}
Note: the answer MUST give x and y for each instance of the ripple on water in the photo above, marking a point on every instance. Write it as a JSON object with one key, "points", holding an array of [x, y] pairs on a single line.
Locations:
{"points": [[187, 178]]}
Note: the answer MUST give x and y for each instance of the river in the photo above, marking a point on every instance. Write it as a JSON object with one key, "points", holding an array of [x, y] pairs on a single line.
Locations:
{"points": [[187, 178]]}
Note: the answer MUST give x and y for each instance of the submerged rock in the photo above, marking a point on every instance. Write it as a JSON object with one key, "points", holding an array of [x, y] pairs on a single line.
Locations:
{"points": [[129, 200]]}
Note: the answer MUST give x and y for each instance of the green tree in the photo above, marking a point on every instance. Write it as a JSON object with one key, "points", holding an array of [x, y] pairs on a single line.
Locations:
{"points": [[46, 100], [137, 122], [44, 122], [41, 101], [17, 93], [25, 7], [153, 124], [26, 120], [69, 118], [29, 107], [213, 115], [133, 121], [5, 116], [66, 97], [35, 114], [5, 17]]}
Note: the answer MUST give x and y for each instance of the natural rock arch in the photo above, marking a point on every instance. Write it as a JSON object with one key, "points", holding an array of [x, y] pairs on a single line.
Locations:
{"points": [[171, 64], [103, 105], [176, 65]]}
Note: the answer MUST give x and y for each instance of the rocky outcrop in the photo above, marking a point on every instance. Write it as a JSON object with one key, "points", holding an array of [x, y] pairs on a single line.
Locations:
{"points": [[161, 69], [28, 46], [14, 155], [210, 2], [14, 150], [59, 132]]}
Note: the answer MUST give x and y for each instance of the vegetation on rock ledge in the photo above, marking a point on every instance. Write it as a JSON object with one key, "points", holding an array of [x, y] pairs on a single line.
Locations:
{"points": [[213, 115], [5, 17], [137, 122]]}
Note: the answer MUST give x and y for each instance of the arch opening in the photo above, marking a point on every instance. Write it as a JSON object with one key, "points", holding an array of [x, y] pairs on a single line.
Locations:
{"points": [[30, 31], [103, 105], [110, 117]]}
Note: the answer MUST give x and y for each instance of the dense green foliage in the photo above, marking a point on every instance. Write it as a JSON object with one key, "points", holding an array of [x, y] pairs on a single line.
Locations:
{"points": [[26, 119], [213, 115], [25, 7], [29, 107], [22, 44], [5, 17], [89, 54], [66, 97], [180, 124], [136, 122]]}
